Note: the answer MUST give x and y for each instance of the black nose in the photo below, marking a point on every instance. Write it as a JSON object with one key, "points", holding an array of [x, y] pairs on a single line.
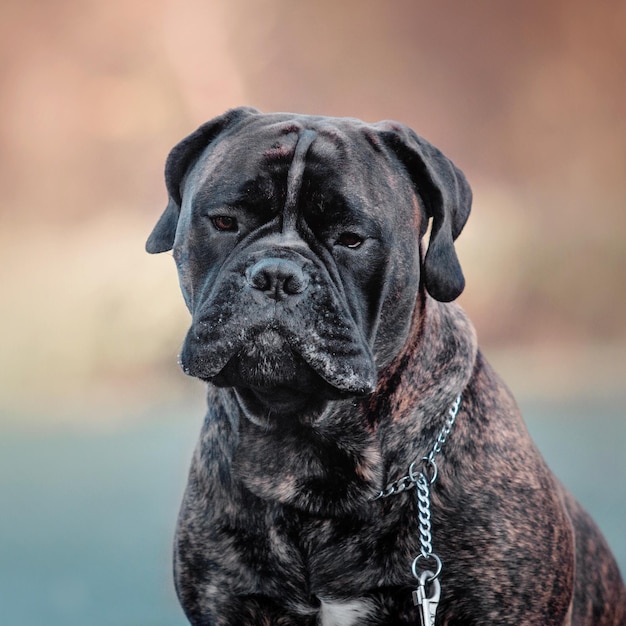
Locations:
{"points": [[277, 278]]}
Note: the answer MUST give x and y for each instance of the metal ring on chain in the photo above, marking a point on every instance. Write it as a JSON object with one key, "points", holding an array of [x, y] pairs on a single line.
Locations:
{"points": [[429, 463], [430, 556]]}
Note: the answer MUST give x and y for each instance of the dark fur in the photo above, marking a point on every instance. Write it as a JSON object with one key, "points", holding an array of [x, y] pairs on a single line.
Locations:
{"points": [[330, 370]]}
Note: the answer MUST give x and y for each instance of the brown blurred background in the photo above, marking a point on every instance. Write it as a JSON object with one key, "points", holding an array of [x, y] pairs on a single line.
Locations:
{"points": [[529, 99], [97, 423]]}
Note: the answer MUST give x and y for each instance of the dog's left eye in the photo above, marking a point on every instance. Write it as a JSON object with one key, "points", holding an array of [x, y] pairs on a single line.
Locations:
{"points": [[224, 223], [350, 240]]}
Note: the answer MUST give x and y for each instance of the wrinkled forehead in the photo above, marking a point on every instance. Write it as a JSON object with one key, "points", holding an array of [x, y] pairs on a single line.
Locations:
{"points": [[345, 157]]}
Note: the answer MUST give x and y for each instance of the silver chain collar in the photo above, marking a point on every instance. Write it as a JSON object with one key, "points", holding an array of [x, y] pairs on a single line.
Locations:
{"points": [[422, 482]]}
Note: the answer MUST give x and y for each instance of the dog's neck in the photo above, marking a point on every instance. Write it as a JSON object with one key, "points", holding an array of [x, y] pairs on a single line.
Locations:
{"points": [[433, 368]]}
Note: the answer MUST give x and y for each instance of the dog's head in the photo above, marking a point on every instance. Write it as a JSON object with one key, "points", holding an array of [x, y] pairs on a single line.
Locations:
{"points": [[297, 245]]}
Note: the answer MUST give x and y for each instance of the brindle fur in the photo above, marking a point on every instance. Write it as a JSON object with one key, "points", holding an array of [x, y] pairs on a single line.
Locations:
{"points": [[277, 517]]}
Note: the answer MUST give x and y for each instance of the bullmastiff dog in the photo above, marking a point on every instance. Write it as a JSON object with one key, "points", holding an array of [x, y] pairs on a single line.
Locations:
{"points": [[343, 381]]}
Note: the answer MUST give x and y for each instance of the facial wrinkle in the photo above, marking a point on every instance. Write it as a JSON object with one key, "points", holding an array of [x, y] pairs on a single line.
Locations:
{"points": [[294, 178]]}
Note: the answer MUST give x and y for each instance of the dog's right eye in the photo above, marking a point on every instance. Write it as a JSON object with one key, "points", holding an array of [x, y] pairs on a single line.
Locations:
{"points": [[224, 223]]}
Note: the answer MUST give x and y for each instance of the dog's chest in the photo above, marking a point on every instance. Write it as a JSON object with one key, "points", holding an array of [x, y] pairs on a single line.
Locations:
{"points": [[347, 613]]}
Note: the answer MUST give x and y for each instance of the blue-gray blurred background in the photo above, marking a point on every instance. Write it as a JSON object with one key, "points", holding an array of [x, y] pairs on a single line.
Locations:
{"points": [[97, 424]]}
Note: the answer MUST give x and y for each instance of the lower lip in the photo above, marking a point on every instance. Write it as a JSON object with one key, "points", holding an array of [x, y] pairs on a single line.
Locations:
{"points": [[281, 398]]}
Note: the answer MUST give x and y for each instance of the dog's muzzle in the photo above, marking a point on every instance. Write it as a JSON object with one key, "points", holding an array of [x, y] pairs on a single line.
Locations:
{"points": [[278, 329]]}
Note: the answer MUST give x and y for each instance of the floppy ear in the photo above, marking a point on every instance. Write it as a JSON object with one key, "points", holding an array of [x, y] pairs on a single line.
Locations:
{"points": [[179, 160], [447, 198]]}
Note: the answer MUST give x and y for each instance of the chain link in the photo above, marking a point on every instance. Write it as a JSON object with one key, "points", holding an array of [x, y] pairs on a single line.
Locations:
{"points": [[423, 514]]}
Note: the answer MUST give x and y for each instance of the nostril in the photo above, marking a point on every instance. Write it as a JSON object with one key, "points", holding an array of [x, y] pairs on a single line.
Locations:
{"points": [[259, 278], [295, 283], [277, 278]]}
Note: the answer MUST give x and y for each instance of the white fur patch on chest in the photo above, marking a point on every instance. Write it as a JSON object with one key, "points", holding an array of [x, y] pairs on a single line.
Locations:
{"points": [[348, 613]]}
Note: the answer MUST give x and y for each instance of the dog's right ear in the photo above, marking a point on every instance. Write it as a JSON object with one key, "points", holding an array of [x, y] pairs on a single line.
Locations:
{"points": [[179, 160]]}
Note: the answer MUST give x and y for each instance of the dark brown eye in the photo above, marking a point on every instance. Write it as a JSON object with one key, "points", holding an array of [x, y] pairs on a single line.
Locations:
{"points": [[225, 223], [350, 240]]}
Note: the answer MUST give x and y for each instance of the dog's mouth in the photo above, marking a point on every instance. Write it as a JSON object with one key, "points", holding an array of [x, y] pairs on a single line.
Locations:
{"points": [[272, 403], [283, 356], [270, 377]]}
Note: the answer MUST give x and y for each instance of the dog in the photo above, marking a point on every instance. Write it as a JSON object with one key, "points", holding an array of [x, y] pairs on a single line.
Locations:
{"points": [[343, 380]]}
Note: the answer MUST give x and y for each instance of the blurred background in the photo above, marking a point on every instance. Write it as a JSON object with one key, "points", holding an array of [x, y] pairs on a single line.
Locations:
{"points": [[97, 424]]}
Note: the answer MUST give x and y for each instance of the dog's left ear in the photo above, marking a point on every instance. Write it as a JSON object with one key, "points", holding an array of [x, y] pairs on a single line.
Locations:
{"points": [[179, 160], [447, 199]]}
